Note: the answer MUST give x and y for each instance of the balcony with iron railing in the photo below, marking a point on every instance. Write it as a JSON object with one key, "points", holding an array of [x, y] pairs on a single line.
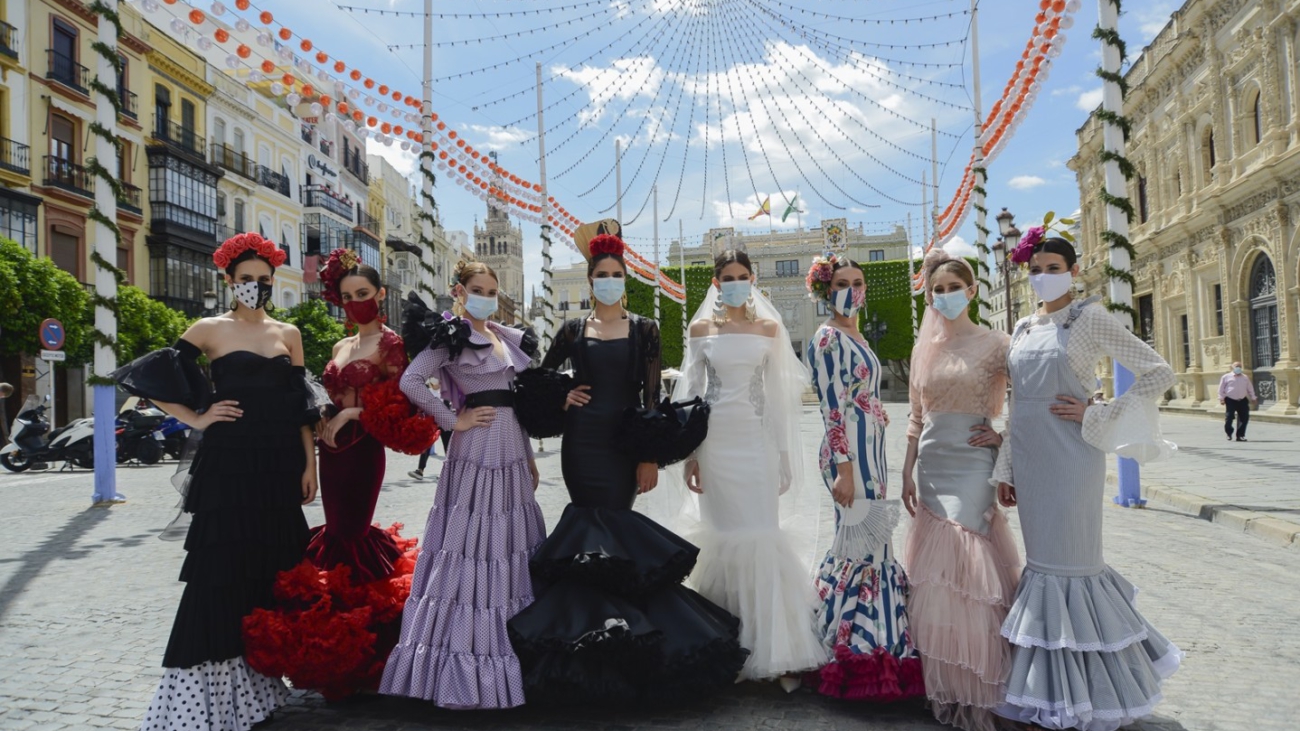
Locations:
{"points": [[355, 162], [67, 71], [305, 133], [130, 199], [181, 139], [130, 103], [15, 156], [318, 196], [8, 40], [227, 157], [65, 174], [367, 222], [269, 178], [224, 232]]}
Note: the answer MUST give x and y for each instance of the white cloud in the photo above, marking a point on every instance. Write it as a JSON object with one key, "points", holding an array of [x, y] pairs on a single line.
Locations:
{"points": [[959, 246], [1067, 90], [499, 138], [404, 162], [1089, 100], [1026, 182], [1153, 17]]}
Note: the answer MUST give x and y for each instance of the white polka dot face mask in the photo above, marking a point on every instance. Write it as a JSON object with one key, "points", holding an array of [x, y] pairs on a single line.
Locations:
{"points": [[253, 295]]}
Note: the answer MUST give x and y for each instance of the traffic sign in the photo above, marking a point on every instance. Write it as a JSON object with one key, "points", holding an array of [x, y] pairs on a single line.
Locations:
{"points": [[52, 334], [53, 355]]}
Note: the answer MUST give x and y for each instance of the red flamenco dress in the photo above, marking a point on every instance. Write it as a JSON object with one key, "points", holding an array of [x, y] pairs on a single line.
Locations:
{"points": [[339, 611]]}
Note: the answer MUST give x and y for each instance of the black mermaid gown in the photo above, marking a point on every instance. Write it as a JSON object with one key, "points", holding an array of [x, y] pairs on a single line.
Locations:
{"points": [[611, 622], [244, 493]]}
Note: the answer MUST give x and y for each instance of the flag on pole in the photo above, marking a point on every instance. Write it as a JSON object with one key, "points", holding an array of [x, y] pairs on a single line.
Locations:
{"points": [[764, 210], [791, 207]]}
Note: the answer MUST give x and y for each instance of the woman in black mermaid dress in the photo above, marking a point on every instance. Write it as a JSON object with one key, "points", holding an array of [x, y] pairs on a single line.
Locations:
{"points": [[611, 621], [254, 470]]}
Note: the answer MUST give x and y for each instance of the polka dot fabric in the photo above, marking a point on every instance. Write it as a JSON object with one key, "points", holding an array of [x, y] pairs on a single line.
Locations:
{"points": [[226, 695]]}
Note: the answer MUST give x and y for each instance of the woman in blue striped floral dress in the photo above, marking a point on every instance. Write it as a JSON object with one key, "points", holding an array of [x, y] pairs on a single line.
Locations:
{"points": [[863, 590]]}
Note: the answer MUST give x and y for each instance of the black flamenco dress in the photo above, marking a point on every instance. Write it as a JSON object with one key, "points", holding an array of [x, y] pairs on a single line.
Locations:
{"points": [[611, 622], [244, 493]]}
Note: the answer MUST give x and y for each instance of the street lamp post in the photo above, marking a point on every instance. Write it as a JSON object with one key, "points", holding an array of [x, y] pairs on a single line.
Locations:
{"points": [[875, 331], [1010, 239], [209, 303]]}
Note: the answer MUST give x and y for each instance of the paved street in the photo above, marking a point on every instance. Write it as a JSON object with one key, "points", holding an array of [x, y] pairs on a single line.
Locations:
{"points": [[87, 597]]}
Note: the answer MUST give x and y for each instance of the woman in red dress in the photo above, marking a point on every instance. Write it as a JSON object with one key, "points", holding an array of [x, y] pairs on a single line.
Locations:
{"points": [[351, 588]]}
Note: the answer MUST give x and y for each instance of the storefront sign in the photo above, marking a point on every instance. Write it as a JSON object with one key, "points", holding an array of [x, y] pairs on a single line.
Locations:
{"points": [[319, 165]]}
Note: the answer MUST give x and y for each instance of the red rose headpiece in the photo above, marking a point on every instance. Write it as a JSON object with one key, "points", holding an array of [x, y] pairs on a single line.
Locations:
{"points": [[332, 272], [606, 244], [236, 245]]}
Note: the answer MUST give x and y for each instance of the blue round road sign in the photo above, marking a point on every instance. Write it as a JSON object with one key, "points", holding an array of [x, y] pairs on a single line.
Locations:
{"points": [[52, 334]]}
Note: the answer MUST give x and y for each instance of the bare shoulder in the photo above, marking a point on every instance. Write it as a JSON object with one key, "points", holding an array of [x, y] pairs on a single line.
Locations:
{"points": [[701, 328], [770, 328], [202, 332]]}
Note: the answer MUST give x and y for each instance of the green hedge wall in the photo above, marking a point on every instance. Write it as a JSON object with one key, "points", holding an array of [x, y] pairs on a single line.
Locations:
{"points": [[640, 299]]}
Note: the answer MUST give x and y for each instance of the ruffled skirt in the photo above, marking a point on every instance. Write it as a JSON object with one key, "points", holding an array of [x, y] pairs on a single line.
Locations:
{"points": [[472, 576], [613, 624], [963, 582], [1083, 656]]}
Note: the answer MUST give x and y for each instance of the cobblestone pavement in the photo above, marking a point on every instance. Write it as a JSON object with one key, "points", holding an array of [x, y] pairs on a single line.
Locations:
{"points": [[87, 597]]}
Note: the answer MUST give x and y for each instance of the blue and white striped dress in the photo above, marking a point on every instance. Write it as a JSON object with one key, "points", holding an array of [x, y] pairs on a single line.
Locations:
{"points": [[863, 590]]}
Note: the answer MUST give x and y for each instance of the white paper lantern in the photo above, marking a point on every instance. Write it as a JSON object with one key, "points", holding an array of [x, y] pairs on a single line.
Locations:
{"points": [[353, 94], [292, 98], [388, 141], [382, 107], [323, 76], [264, 39], [178, 25], [150, 6], [406, 145], [218, 9], [284, 53], [1072, 6], [242, 26], [316, 109], [204, 44], [277, 88], [363, 133], [1067, 22], [232, 61], [255, 76]]}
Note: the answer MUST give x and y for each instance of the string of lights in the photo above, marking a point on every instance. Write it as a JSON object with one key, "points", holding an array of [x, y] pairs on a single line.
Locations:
{"points": [[443, 16], [514, 34], [873, 21]]}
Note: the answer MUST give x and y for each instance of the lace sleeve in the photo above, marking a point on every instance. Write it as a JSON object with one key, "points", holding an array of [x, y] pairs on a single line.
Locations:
{"points": [[429, 364], [561, 346], [914, 411], [392, 354], [1002, 467], [1129, 425], [828, 370], [650, 349]]}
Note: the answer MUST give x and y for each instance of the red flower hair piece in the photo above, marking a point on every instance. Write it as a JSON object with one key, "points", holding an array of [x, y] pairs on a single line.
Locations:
{"points": [[606, 244], [389, 417], [239, 243], [332, 272]]}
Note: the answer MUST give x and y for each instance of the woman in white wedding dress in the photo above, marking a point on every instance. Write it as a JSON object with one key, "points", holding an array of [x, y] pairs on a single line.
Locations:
{"points": [[746, 474]]}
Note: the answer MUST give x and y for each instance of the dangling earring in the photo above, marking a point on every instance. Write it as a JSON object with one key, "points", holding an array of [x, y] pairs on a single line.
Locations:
{"points": [[458, 309], [751, 310], [719, 313], [624, 302]]}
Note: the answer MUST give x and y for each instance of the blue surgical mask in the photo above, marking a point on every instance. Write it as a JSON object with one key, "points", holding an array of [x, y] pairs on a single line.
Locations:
{"points": [[952, 305], [847, 301], [1237, 370], [734, 293], [608, 290], [480, 307]]}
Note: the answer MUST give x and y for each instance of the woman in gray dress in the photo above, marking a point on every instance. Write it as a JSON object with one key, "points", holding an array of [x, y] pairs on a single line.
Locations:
{"points": [[1082, 656]]}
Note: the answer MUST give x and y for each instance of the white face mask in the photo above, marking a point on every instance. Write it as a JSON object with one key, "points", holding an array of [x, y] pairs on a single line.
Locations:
{"points": [[1051, 287], [480, 307], [952, 305], [734, 293]]}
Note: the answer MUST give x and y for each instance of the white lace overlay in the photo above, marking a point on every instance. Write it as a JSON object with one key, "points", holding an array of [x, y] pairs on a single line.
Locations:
{"points": [[1129, 425]]}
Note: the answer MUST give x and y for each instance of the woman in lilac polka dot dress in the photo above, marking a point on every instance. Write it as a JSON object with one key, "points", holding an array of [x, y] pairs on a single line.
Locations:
{"points": [[472, 574]]}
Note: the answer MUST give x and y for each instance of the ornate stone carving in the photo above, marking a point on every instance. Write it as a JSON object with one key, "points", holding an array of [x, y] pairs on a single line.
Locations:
{"points": [[1251, 204]]}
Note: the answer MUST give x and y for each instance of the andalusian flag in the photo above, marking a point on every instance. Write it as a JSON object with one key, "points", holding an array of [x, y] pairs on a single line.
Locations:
{"points": [[765, 209], [792, 207]]}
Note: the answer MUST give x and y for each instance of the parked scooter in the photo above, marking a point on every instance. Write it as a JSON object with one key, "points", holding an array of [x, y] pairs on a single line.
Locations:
{"points": [[138, 435], [175, 433], [31, 445]]}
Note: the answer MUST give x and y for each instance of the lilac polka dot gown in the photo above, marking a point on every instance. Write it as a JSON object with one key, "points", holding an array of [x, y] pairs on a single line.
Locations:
{"points": [[472, 574]]}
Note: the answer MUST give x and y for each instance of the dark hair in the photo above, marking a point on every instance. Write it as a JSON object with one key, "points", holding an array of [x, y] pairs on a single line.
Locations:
{"points": [[363, 270], [467, 270], [246, 255], [598, 258], [1057, 245], [731, 256]]}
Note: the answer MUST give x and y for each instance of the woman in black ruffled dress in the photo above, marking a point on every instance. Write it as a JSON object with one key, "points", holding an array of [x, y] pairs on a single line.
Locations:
{"points": [[254, 470], [611, 621]]}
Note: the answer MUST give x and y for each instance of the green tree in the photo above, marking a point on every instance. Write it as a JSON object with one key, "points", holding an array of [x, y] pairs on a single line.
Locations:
{"points": [[33, 289], [144, 324], [320, 331]]}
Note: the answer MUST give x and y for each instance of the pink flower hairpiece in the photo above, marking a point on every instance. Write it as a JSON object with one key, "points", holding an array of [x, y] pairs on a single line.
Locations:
{"points": [[1025, 249]]}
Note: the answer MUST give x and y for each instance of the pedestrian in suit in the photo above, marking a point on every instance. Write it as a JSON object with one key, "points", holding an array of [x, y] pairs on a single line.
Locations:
{"points": [[1234, 390]]}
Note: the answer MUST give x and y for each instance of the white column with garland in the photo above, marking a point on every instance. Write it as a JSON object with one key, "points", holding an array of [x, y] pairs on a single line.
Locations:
{"points": [[1119, 210], [105, 238], [981, 174], [548, 271], [427, 213]]}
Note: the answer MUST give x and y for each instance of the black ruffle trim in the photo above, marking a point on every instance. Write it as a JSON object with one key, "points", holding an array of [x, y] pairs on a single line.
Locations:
{"points": [[666, 434], [620, 551], [539, 401]]}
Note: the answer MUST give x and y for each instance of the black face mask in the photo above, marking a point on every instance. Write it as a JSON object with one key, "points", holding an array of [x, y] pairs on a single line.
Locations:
{"points": [[253, 295]]}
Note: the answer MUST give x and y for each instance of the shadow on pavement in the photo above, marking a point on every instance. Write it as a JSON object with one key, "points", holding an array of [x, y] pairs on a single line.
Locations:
{"points": [[55, 547]]}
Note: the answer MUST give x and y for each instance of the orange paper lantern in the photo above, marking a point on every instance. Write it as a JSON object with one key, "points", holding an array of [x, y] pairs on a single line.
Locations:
{"points": [[386, 128], [383, 89], [451, 134], [356, 75], [308, 90], [285, 34], [197, 17], [397, 96], [221, 34], [442, 125], [357, 116], [370, 83], [397, 130], [325, 100], [243, 51], [322, 57], [371, 121], [288, 80], [340, 67], [266, 17], [343, 107], [305, 45], [267, 67], [242, 4]]}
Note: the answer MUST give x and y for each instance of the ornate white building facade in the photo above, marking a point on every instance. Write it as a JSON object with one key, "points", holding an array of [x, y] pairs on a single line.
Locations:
{"points": [[1214, 103]]}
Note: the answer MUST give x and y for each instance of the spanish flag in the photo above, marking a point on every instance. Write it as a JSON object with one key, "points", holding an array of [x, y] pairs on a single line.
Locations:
{"points": [[765, 209]]}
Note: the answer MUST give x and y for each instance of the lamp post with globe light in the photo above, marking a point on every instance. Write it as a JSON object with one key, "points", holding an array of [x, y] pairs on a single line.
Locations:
{"points": [[1010, 239]]}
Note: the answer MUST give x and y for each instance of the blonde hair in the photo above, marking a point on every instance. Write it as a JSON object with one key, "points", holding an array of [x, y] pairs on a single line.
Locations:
{"points": [[467, 269]]}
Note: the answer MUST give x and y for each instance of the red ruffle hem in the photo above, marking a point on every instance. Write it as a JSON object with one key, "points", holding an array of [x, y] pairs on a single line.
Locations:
{"points": [[873, 676], [328, 633]]}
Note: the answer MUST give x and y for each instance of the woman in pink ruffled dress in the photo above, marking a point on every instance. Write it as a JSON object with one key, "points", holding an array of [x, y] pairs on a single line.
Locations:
{"points": [[961, 557]]}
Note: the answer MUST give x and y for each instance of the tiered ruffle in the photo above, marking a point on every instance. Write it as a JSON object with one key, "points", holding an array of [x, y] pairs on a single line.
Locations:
{"points": [[213, 695], [963, 583], [613, 623], [471, 578], [1083, 657], [330, 632]]}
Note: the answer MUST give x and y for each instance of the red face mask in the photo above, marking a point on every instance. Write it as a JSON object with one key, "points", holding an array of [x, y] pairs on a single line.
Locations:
{"points": [[362, 312]]}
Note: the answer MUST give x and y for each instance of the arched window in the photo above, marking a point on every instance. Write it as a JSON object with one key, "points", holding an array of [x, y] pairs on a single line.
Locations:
{"points": [[219, 131], [1208, 157], [1263, 312], [1258, 118], [290, 299]]}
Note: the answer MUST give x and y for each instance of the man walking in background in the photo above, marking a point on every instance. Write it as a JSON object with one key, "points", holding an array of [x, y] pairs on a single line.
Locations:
{"points": [[1234, 390]]}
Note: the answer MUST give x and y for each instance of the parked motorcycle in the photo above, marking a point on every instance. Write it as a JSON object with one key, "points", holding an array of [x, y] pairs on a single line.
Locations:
{"points": [[138, 435], [30, 444], [175, 433]]}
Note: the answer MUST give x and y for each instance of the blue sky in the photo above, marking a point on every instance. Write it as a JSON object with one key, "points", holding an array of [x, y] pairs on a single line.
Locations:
{"points": [[795, 111]]}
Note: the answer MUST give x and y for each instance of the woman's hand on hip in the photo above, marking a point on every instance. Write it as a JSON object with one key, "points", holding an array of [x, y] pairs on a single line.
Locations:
{"points": [[476, 417], [985, 436], [220, 411], [577, 397], [1069, 408], [647, 477], [909, 494], [843, 489]]}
